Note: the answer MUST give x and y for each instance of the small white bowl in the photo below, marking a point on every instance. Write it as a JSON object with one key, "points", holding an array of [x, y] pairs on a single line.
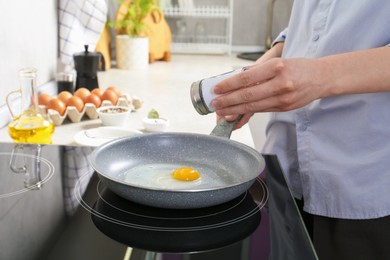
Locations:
{"points": [[155, 124], [113, 115]]}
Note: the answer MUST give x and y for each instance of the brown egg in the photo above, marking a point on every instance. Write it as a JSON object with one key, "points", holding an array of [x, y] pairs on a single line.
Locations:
{"points": [[64, 96], [77, 102], [97, 91], [94, 99], [111, 96], [43, 99], [115, 90], [56, 105], [82, 93]]}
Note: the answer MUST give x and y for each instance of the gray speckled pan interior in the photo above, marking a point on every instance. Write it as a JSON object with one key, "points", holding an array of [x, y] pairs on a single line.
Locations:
{"points": [[240, 163], [235, 164]]}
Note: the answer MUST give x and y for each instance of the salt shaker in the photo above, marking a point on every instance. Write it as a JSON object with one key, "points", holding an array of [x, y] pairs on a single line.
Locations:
{"points": [[202, 91]]}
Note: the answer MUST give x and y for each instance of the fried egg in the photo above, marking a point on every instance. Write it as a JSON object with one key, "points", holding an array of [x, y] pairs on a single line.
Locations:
{"points": [[185, 174], [171, 176]]}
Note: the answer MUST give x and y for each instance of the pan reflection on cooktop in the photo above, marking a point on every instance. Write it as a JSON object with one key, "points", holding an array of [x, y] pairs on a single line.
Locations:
{"points": [[177, 230]]}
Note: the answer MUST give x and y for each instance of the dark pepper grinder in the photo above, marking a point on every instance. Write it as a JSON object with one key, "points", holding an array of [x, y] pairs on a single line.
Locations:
{"points": [[87, 65]]}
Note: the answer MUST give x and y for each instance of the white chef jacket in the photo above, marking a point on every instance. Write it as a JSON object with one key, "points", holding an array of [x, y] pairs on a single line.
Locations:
{"points": [[335, 151]]}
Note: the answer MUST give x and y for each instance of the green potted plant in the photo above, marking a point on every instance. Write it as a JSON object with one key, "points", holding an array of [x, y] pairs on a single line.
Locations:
{"points": [[132, 42]]}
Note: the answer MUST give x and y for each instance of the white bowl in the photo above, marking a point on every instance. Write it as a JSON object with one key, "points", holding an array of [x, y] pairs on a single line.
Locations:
{"points": [[113, 115], [155, 124]]}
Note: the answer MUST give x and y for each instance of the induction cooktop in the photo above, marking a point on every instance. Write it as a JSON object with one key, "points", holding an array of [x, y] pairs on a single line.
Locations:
{"points": [[53, 206]]}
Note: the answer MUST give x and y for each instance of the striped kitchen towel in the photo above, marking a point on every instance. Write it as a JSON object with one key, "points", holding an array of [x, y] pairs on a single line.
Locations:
{"points": [[80, 23]]}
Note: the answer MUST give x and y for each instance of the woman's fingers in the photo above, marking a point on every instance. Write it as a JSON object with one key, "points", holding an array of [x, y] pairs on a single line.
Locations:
{"points": [[258, 98], [249, 77], [243, 121], [290, 84], [245, 118]]}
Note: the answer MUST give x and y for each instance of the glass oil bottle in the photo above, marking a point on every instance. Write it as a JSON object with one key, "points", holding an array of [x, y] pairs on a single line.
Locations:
{"points": [[29, 125]]}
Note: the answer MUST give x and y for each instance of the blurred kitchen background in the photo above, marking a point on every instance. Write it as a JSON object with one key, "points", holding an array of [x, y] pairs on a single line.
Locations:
{"points": [[29, 33]]}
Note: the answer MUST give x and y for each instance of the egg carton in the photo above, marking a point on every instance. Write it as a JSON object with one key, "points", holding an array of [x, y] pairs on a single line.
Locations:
{"points": [[89, 110]]}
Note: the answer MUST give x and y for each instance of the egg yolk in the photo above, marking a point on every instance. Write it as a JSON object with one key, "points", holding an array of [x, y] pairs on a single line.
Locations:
{"points": [[185, 174]]}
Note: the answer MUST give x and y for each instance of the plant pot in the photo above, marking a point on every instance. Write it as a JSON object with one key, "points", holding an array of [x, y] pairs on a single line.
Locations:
{"points": [[132, 52]]}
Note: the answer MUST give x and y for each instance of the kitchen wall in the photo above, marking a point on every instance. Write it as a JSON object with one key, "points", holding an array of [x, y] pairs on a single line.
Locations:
{"points": [[250, 22], [28, 38]]}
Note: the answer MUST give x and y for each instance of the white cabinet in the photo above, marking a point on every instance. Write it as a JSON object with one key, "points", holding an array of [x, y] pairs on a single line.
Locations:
{"points": [[200, 26]]}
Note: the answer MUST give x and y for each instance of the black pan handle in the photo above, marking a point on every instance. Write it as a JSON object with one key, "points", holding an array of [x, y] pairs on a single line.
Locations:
{"points": [[224, 128]]}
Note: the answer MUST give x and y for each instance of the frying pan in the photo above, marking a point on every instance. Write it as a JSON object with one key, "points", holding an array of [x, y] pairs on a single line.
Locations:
{"points": [[235, 164]]}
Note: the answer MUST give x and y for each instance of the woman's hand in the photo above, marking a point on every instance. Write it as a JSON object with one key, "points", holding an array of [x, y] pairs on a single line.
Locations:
{"points": [[245, 119], [275, 85], [274, 52]]}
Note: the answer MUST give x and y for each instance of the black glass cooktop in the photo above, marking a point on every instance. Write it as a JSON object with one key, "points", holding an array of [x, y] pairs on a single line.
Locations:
{"points": [[53, 206]]}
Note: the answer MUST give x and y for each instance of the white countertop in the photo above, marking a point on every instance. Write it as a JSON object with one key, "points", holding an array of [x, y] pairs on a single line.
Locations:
{"points": [[164, 86]]}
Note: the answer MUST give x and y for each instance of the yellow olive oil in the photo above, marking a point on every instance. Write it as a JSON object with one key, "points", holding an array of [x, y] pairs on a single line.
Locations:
{"points": [[31, 129]]}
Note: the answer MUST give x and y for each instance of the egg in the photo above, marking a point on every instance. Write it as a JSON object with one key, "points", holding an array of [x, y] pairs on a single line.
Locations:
{"points": [[97, 91], [159, 176], [56, 105], [43, 99], [93, 99], [111, 96], [64, 96], [185, 174], [77, 102], [115, 90], [82, 93]]}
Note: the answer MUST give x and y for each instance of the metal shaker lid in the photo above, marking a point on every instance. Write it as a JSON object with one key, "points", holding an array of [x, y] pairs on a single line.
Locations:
{"points": [[197, 98]]}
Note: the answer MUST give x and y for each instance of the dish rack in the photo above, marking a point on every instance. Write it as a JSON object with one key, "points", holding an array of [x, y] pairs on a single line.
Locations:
{"points": [[198, 28]]}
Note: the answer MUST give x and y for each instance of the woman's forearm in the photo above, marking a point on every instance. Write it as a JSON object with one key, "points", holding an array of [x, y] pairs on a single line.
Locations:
{"points": [[357, 72], [283, 84], [274, 52]]}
